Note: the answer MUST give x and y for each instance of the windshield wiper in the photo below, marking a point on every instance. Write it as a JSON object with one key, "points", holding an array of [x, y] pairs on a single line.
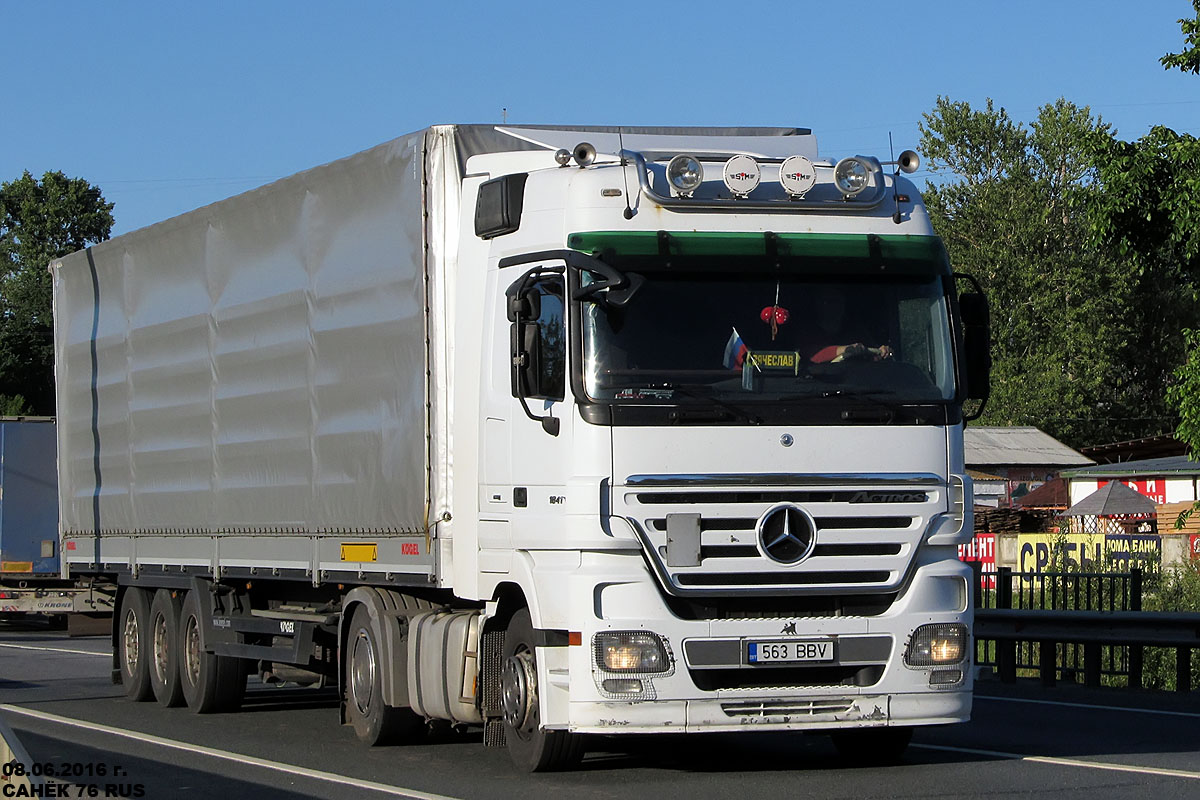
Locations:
{"points": [[689, 390]]}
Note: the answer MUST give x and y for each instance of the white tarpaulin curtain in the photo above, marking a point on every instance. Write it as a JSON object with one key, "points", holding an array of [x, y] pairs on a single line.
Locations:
{"points": [[260, 361]]}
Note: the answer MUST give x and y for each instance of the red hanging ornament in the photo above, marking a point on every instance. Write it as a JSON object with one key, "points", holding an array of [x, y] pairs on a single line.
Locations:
{"points": [[774, 316]]}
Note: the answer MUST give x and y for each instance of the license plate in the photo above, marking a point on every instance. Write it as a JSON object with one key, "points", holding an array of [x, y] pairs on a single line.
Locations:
{"points": [[793, 650]]}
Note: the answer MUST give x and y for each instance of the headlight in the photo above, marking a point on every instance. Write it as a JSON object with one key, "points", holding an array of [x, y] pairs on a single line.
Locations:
{"points": [[685, 173], [937, 644], [631, 652], [851, 176]]}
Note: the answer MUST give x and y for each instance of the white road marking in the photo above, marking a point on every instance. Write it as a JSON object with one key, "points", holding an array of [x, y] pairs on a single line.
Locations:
{"points": [[54, 649], [1192, 714], [225, 755], [1066, 762]]}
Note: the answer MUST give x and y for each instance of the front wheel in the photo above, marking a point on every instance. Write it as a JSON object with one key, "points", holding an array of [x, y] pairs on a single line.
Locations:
{"points": [[532, 747]]}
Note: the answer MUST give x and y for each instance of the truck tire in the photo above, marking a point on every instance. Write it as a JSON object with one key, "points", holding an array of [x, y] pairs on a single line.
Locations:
{"points": [[133, 644], [875, 747], [532, 748], [374, 723], [211, 683], [164, 649]]}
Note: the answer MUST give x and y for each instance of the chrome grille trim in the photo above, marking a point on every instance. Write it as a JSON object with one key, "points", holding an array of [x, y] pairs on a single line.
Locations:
{"points": [[857, 481], [861, 547]]}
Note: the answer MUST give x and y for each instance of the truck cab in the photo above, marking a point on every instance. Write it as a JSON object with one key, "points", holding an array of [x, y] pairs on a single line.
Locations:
{"points": [[720, 464]]}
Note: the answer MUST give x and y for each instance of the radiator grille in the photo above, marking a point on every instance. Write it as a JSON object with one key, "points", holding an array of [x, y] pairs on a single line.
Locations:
{"points": [[868, 531]]}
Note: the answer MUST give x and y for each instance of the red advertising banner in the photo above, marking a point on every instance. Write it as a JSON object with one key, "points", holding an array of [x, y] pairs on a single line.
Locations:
{"points": [[1156, 490], [1195, 545], [981, 549]]}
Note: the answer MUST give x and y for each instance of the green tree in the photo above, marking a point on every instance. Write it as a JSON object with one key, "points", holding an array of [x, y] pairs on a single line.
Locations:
{"points": [[1152, 217], [39, 222], [1187, 60], [1012, 204]]}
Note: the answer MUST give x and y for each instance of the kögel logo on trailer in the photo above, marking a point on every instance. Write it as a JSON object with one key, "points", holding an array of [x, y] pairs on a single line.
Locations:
{"points": [[786, 533]]}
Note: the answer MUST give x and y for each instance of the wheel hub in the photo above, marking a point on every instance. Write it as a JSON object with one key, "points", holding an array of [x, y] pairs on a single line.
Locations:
{"points": [[191, 650], [160, 647], [518, 690], [362, 672], [130, 640]]}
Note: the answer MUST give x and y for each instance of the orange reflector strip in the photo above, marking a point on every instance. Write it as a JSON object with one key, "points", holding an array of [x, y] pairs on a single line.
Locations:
{"points": [[360, 551], [16, 566], [574, 638]]}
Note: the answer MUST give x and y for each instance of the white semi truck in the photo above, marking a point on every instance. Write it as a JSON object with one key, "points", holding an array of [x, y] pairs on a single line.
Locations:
{"points": [[554, 431]]}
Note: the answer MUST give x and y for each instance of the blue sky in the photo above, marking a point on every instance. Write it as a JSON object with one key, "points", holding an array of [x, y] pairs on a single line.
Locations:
{"points": [[169, 106]]}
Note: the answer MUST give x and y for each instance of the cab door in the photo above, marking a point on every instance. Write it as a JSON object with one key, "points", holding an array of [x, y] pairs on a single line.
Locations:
{"points": [[528, 425]]}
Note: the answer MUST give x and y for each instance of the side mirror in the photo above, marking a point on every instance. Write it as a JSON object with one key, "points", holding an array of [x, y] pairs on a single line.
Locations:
{"points": [[977, 347], [532, 372], [525, 348]]}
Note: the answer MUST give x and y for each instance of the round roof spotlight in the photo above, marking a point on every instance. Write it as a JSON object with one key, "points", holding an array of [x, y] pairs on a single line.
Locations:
{"points": [[685, 174], [851, 176], [798, 176], [562, 156], [742, 175], [584, 154]]}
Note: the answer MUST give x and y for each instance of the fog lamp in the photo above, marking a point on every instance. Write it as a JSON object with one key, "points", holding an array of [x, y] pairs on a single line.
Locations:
{"points": [[623, 686], [797, 175], [741, 175], [631, 651], [937, 644], [851, 176], [685, 174], [945, 677]]}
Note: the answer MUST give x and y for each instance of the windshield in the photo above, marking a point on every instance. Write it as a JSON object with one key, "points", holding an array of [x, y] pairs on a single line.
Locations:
{"points": [[772, 335]]}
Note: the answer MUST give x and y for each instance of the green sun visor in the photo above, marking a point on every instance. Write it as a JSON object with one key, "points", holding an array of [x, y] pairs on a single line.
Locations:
{"points": [[795, 252]]}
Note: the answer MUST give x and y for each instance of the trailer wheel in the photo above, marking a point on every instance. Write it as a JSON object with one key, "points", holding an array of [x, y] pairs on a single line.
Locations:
{"points": [[873, 747], [532, 748], [211, 683], [374, 722], [133, 644], [164, 649]]}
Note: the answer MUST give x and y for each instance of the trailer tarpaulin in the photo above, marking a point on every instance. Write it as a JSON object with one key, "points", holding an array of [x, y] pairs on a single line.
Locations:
{"points": [[260, 363]]}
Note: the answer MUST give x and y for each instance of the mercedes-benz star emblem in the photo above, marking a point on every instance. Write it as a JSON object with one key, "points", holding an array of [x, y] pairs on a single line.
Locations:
{"points": [[786, 533]]}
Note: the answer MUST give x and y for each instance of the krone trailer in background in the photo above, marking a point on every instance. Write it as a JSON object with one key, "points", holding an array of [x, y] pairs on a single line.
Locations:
{"points": [[31, 580], [553, 431]]}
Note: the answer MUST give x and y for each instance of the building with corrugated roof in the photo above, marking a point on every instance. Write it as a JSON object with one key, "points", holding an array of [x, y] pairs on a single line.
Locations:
{"points": [[1171, 479], [1008, 463]]}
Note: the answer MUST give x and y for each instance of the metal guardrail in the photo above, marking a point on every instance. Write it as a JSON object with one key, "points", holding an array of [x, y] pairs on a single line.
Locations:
{"points": [[1093, 630], [1076, 622]]}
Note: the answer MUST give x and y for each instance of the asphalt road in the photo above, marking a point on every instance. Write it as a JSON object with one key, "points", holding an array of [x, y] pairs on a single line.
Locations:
{"points": [[285, 744]]}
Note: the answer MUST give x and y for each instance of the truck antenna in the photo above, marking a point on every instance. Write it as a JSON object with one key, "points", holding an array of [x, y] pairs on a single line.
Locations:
{"points": [[629, 212], [895, 179]]}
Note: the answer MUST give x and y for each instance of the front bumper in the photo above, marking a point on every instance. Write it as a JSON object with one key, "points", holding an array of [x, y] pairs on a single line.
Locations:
{"points": [[812, 712], [710, 687]]}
